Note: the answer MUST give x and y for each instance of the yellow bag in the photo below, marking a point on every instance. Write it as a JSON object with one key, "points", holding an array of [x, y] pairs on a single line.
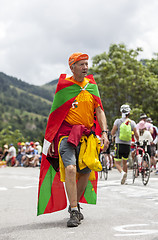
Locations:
{"points": [[89, 153], [83, 147]]}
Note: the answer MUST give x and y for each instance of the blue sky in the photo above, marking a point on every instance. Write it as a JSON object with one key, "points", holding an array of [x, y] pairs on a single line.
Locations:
{"points": [[38, 36]]}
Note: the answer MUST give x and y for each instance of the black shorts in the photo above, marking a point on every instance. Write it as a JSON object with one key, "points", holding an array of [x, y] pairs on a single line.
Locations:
{"points": [[121, 151]]}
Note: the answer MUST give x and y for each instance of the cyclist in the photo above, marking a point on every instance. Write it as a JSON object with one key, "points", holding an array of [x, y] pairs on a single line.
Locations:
{"points": [[145, 135], [143, 117], [153, 145], [123, 147]]}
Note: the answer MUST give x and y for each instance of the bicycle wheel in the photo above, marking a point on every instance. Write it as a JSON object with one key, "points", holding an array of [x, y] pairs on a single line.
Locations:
{"points": [[135, 168], [145, 168], [105, 172]]}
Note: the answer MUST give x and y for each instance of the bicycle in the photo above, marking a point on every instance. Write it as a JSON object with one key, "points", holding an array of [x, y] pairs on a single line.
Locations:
{"points": [[104, 171], [141, 163]]}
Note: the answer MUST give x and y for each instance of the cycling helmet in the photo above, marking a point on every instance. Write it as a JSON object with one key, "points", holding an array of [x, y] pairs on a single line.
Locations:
{"points": [[125, 109], [143, 116], [149, 120]]}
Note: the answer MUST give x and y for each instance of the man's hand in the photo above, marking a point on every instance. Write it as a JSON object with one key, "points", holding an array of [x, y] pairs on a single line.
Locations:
{"points": [[105, 141], [51, 149]]}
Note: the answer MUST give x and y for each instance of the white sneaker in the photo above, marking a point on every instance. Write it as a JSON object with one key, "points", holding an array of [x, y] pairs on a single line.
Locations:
{"points": [[123, 178]]}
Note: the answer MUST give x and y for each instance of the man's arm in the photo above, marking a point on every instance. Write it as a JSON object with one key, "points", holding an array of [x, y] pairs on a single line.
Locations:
{"points": [[51, 149], [136, 134], [103, 125], [114, 129]]}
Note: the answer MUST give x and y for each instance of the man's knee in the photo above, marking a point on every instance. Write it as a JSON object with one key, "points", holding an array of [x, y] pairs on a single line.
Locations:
{"points": [[71, 170]]}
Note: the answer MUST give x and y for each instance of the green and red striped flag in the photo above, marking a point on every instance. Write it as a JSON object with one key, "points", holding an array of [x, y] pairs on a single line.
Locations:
{"points": [[51, 192], [90, 193]]}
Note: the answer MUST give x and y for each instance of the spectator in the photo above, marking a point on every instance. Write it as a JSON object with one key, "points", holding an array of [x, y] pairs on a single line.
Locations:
{"points": [[37, 158], [21, 152], [79, 103], [5, 152], [32, 159], [38, 147], [1, 153], [11, 156]]}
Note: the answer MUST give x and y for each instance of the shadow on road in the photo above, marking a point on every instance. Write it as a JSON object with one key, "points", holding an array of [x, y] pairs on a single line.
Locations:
{"points": [[34, 226]]}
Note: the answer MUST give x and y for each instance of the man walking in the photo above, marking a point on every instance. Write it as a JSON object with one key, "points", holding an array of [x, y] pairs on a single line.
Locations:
{"points": [[75, 102], [123, 140]]}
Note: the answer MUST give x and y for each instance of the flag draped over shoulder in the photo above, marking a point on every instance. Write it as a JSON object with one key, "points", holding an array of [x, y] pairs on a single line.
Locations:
{"points": [[51, 192]]}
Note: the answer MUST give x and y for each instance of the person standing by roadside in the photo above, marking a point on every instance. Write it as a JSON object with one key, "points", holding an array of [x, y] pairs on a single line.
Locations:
{"points": [[76, 100], [11, 156], [5, 152], [123, 140]]}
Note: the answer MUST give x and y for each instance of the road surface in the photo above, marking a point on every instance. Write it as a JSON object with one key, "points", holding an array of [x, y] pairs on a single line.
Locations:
{"points": [[123, 212]]}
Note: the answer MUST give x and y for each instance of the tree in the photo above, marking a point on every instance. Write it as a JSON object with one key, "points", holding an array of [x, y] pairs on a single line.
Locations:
{"points": [[8, 136], [152, 64], [121, 79]]}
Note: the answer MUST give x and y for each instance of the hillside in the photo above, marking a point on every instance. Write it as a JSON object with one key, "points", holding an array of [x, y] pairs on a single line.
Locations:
{"points": [[51, 86], [25, 107]]}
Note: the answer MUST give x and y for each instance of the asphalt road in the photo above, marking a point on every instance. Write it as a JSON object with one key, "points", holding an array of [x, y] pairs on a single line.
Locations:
{"points": [[123, 212]]}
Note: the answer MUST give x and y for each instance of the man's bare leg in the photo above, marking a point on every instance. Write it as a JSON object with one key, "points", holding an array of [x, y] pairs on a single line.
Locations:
{"points": [[70, 183], [71, 188], [125, 165], [122, 171], [118, 166]]}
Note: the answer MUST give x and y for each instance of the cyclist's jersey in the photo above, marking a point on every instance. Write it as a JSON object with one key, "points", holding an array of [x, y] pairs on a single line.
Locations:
{"points": [[146, 136], [117, 123]]}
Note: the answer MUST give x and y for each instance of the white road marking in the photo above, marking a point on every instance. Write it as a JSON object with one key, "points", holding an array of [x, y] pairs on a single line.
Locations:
{"points": [[126, 231], [3, 188], [24, 187]]}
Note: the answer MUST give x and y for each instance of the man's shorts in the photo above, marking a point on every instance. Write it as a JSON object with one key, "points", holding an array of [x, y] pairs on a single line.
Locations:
{"points": [[69, 155], [121, 151]]}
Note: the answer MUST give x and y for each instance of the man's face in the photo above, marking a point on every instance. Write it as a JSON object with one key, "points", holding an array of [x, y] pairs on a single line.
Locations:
{"points": [[80, 69]]}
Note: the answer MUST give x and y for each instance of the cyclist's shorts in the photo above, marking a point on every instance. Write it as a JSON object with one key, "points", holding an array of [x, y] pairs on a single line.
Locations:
{"points": [[121, 151], [69, 155]]}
